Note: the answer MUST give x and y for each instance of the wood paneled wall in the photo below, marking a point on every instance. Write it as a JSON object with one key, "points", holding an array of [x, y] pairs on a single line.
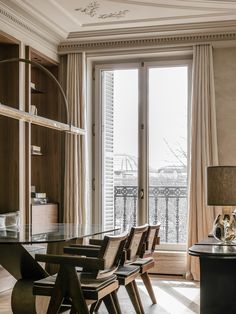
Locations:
{"points": [[9, 131]]}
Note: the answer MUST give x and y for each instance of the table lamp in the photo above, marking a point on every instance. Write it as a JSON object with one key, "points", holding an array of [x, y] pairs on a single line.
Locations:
{"points": [[221, 191]]}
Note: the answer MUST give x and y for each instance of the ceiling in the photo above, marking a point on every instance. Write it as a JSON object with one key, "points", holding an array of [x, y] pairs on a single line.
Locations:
{"points": [[70, 17]]}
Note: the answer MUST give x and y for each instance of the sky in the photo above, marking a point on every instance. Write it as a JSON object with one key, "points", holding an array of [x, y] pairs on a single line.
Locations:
{"points": [[167, 99]]}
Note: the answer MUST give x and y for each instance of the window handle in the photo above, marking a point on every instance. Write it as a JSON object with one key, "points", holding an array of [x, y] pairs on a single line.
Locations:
{"points": [[141, 194]]}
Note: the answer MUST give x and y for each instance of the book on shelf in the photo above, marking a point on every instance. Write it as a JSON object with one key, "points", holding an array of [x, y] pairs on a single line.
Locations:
{"points": [[33, 188], [35, 150], [38, 195], [39, 201], [36, 153]]}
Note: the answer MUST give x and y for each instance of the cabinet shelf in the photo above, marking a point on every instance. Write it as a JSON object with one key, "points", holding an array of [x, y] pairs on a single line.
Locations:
{"points": [[37, 120]]}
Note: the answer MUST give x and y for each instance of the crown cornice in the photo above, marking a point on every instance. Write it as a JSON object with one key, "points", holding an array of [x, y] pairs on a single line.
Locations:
{"points": [[145, 42], [160, 29], [13, 23]]}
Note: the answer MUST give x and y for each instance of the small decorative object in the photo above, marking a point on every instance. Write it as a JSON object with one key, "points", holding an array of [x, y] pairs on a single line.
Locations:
{"points": [[36, 150], [9, 220], [2, 222], [32, 85], [39, 198], [221, 191], [33, 110]]}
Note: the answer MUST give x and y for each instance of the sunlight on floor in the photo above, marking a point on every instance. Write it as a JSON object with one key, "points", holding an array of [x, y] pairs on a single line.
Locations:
{"points": [[173, 296]]}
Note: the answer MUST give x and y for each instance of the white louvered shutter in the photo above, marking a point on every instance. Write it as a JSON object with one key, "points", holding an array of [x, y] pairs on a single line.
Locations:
{"points": [[108, 148]]}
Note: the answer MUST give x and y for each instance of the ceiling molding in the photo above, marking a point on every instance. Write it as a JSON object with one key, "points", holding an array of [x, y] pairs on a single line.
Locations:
{"points": [[155, 20], [225, 26], [28, 28], [164, 4], [137, 43]]}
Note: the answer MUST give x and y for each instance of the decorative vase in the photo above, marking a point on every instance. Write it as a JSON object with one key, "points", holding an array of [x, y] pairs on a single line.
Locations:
{"points": [[224, 227]]}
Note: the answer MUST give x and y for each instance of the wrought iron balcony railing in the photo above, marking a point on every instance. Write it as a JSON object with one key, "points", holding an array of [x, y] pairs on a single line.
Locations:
{"points": [[167, 204]]}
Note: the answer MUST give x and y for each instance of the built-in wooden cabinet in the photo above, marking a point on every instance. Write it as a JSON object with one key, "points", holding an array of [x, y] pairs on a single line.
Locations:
{"points": [[20, 168], [9, 128], [45, 170], [33, 112], [9, 139]]}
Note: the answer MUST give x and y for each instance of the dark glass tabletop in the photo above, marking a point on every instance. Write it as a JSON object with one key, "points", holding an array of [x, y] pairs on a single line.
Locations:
{"points": [[28, 234]]}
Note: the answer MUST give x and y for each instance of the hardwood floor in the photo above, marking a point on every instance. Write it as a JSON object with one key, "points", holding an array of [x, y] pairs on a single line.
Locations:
{"points": [[174, 296], [5, 302]]}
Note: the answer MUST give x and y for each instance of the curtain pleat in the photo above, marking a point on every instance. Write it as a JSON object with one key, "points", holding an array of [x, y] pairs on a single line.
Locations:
{"points": [[75, 146], [203, 150]]}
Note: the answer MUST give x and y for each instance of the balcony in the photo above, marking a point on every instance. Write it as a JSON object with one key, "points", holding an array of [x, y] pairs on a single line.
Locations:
{"points": [[167, 205]]}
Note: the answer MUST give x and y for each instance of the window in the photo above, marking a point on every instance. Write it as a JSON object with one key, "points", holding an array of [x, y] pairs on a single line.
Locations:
{"points": [[141, 138], [168, 111], [119, 146]]}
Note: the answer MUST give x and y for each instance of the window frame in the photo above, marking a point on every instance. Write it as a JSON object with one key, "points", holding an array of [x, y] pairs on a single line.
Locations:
{"points": [[163, 64], [143, 180], [97, 107]]}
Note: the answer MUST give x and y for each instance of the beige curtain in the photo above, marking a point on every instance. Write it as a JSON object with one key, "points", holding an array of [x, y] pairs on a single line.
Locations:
{"points": [[203, 150], [75, 146]]}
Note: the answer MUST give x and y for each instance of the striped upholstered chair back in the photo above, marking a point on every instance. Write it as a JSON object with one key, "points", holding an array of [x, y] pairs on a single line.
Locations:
{"points": [[135, 242], [152, 239]]}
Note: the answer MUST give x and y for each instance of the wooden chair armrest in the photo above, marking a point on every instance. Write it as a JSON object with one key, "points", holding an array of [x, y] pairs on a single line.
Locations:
{"points": [[85, 246], [85, 251], [87, 262], [96, 241]]}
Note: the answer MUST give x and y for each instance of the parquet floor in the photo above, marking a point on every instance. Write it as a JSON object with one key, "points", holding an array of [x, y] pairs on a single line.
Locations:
{"points": [[174, 296]]}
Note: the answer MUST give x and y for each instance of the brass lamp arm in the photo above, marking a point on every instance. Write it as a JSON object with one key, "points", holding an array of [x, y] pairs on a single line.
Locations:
{"points": [[48, 73]]}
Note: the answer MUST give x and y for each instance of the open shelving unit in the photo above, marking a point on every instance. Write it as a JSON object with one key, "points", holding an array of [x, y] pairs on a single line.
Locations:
{"points": [[9, 128], [45, 128], [46, 171]]}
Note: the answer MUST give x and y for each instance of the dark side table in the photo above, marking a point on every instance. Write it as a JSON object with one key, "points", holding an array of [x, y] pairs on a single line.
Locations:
{"points": [[217, 276]]}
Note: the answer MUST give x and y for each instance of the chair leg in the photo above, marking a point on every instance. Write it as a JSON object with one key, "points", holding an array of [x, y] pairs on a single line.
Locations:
{"points": [[116, 302], [138, 295], [73, 310], [95, 307], [74, 290], [57, 296], [134, 297], [148, 285], [110, 305]]}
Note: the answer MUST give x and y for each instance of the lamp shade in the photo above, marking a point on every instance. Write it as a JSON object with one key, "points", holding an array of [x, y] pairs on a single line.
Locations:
{"points": [[221, 185]]}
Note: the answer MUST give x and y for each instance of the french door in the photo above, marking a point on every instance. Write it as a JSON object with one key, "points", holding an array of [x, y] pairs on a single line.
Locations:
{"points": [[141, 146]]}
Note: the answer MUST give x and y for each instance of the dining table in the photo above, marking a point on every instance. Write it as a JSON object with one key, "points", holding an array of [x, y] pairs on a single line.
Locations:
{"points": [[18, 245]]}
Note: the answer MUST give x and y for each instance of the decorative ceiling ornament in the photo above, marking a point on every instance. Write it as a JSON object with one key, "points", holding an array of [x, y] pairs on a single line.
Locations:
{"points": [[117, 15], [92, 7]]}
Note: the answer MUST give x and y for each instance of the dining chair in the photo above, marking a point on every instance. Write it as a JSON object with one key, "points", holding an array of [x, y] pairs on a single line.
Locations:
{"points": [[127, 272], [146, 260], [95, 282]]}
